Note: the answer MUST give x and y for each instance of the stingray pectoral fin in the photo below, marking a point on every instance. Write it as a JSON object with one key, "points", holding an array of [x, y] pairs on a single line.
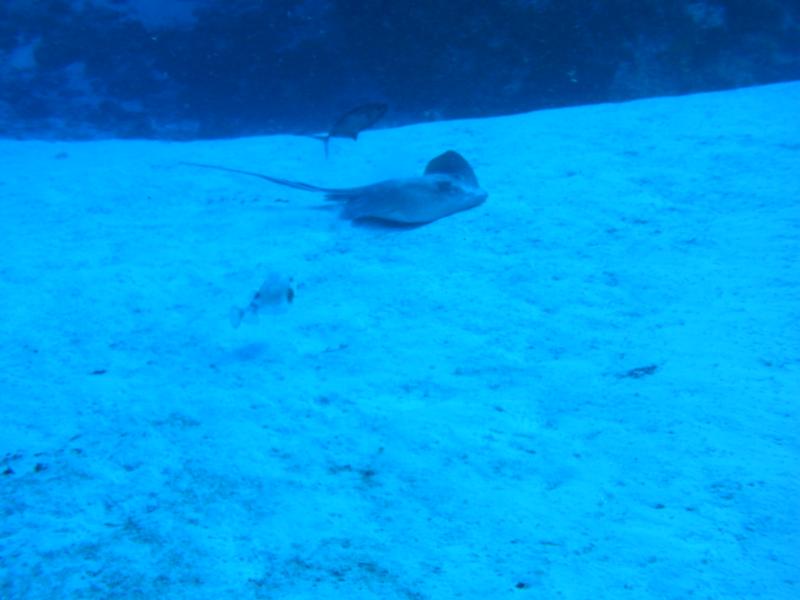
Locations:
{"points": [[395, 201], [453, 164]]}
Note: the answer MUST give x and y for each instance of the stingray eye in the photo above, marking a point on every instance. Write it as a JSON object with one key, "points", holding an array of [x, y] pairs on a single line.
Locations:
{"points": [[444, 186]]}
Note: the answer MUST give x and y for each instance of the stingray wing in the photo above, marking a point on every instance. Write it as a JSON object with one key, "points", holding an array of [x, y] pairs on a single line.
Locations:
{"points": [[453, 164]]}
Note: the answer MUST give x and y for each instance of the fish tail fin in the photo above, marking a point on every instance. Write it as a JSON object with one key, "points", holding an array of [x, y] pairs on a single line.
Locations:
{"points": [[325, 139], [236, 315]]}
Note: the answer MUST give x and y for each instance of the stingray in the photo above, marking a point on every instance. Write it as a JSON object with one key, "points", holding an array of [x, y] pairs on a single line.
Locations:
{"points": [[447, 186]]}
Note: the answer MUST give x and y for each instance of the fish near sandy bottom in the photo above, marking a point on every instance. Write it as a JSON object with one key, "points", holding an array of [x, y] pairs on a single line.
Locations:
{"points": [[447, 186], [274, 294], [353, 122]]}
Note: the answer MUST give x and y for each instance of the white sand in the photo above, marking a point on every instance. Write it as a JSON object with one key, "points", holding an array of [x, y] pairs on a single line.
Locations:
{"points": [[586, 388]]}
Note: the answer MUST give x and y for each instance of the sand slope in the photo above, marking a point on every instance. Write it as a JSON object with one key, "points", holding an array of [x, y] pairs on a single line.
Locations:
{"points": [[585, 388]]}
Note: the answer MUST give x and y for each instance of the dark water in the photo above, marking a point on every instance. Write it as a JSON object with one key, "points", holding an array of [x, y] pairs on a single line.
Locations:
{"points": [[209, 68]]}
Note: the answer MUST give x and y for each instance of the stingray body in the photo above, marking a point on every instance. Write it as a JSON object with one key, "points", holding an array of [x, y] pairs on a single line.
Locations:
{"points": [[448, 186]]}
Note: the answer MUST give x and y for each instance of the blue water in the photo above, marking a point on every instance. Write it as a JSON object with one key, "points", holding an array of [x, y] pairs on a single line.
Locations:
{"points": [[215, 385]]}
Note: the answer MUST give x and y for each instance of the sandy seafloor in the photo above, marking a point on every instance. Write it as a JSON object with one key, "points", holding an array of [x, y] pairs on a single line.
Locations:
{"points": [[585, 388]]}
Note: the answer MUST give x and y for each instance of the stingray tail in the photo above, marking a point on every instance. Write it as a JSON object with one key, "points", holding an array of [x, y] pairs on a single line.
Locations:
{"points": [[297, 185]]}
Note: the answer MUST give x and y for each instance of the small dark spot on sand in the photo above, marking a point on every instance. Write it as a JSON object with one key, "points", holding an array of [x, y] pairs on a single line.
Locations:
{"points": [[99, 372], [639, 372], [8, 471], [335, 469], [39, 468]]}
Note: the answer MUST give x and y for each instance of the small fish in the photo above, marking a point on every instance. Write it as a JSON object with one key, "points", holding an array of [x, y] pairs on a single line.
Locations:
{"points": [[275, 293], [448, 186], [353, 122]]}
